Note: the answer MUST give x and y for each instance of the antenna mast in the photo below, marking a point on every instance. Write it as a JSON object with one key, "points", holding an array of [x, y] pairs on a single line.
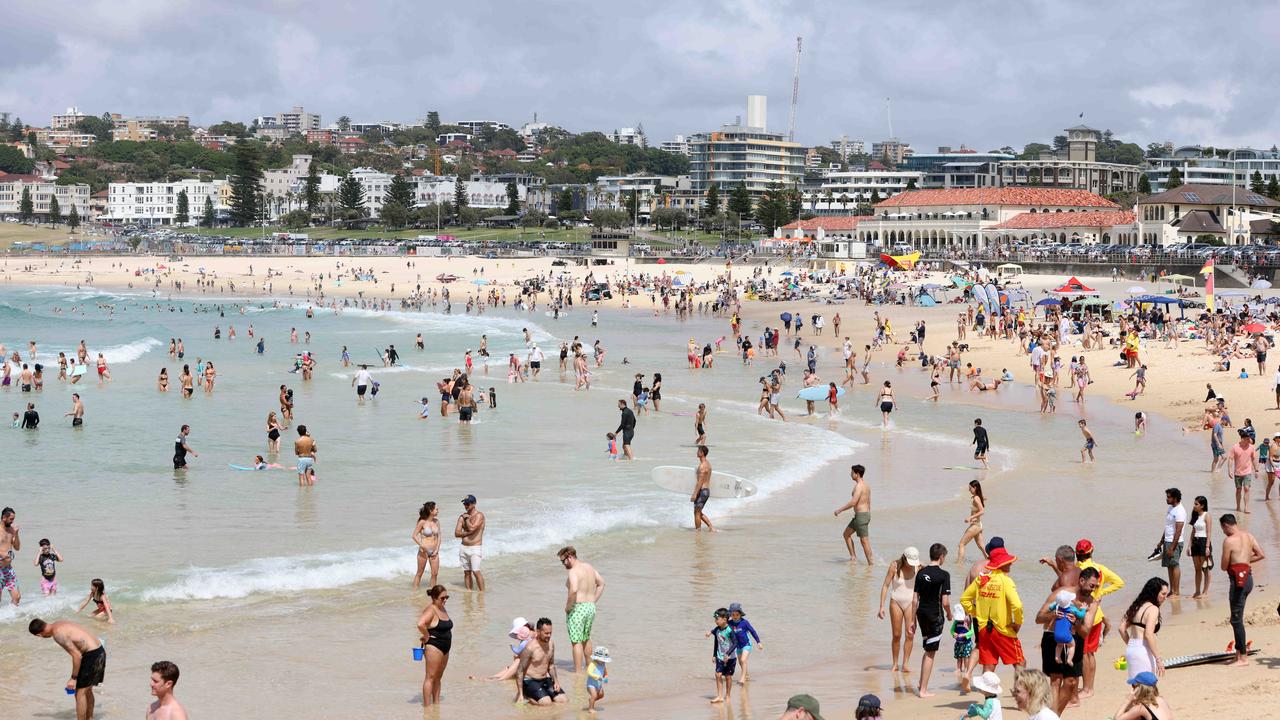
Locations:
{"points": [[888, 109], [795, 94]]}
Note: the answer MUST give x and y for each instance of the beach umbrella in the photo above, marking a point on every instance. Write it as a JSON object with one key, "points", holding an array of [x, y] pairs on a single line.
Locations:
{"points": [[1136, 290], [1050, 301], [1233, 293], [662, 261], [786, 274], [479, 282], [1261, 284], [1254, 328], [786, 317]]}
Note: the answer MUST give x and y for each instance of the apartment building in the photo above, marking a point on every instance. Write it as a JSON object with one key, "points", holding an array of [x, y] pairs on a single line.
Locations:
{"points": [[629, 136], [280, 182], [654, 191], [157, 203], [1197, 167], [841, 192], [892, 151], [66, 120], [133, 131], [679, 145], [475, 127], [748, 154], [42, 191], [296, 120]]}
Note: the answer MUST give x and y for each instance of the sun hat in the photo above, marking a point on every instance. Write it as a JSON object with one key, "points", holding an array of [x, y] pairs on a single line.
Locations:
{"points": [[1000, 558], [912, 556], [1065, 598], [601, 654], [988, 682], [958, 613], [1144, 678], [1084, 547], [517, 625], [736, 607], [807, 703]]}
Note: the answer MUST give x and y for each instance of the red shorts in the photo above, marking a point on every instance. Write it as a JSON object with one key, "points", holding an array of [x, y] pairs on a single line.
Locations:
{"points": [[1092, 642], [995, 647]]}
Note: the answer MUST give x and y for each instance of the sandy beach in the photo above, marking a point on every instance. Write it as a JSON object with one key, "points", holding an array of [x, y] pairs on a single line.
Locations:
{"points": [[1176, 386]]}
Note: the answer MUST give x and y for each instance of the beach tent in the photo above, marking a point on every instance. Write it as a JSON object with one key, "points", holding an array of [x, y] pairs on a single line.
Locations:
{"points": [[926, 301], [1261, 284], [1008, 270], [900, 262], [1180, 279], [1050, 301], [1073, 286]]}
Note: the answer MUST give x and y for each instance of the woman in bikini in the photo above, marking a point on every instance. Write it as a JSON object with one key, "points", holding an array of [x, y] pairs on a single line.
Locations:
{"points": [[426, 535], [1145, 702], [162, 383], [974, 521], [886, 401], [1139, 626], [902, 579]]}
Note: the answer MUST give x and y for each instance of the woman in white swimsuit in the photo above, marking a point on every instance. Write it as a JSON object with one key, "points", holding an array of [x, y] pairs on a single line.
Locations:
{"points": [[902, 578], [426, 535], [1139, 626]]}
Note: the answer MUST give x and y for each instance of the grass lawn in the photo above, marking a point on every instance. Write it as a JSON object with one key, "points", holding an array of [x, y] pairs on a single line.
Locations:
{"points": [[329, 233], [17, 232]]}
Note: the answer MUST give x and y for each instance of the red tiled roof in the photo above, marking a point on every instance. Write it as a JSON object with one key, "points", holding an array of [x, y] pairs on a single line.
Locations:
{"points": [[1036, 221], [1053, 197], [839, 222], [876, 165], [21, 178], [351, 140]]}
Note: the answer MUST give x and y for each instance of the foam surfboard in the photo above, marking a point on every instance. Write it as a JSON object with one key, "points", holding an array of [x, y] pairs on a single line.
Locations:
{"points": [[79, 370], [239, 467], [818, 392], [1202, 659], [682, 480]]}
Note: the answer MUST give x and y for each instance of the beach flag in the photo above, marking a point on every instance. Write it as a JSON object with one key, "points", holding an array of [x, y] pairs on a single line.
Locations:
{"points": [[1207, 272]]}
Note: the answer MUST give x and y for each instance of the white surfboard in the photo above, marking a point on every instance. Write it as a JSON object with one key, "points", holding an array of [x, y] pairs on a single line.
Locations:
{"points": [[682, 480]]}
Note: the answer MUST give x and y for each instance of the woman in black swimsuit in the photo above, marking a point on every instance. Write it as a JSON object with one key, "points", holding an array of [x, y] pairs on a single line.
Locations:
{"points": [[273, 432], [655, 392], [437, 638]]}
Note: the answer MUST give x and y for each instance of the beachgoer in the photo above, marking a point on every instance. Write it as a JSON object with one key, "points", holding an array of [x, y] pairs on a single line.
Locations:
{"points": [[860, 524], [361, 382], [305, 449], [536, 681], [1145, 702], [98, 596], [1089, 442], [1139, 626], [88, 659], [627, 427], [436, 631], [1240, 549], [10, 543], [932, 606], [470, 528], [981, 442], [901, 578], [977, 508], [585, 587], [1031, 694], [747, 638], [1243, 460], [597, 676], [181, 448], [1175, 519], [426, 535], [724, 652], [886, 402], [701, 490], [1200, 549], [996, 612], [164, 675]]}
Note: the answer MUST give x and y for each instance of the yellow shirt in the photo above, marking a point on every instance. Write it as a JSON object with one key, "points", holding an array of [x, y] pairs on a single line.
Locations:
{"points": [[993, 598], [1108, 582]]}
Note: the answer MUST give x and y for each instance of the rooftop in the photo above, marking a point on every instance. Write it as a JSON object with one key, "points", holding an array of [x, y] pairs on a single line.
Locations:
{"points": [[1057, 197], [1037, 221], [1210, 195], [835, 222]]}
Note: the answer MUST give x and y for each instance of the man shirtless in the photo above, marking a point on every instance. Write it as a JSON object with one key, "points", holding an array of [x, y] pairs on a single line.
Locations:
{"points": [[699, 424], [1240, 550], [88, 659], [470, 528], [536, 681], [10, 543], [701, 490], [164, 675], [305, 448], [585, 588], [860, 502]]}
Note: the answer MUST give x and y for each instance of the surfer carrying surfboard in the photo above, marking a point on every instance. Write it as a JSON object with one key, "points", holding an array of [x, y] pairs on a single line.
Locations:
{"points": [[701, 491]]}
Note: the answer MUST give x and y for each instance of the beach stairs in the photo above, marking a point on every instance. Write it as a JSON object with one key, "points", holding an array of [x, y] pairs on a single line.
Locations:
{"points": [[1231, 276]]}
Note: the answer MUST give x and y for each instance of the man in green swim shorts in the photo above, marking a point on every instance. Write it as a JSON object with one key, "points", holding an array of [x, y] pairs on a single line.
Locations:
{"points": [[585, 588], [860, 503]]}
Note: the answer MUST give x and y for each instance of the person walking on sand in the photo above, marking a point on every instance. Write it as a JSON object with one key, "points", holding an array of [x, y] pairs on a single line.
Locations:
{"points": [[860, 524], [1240, 550], [470, 528], [1244, 468], [88, 659], [164, 675], [898, 586], [977, 508], [585, 587], [993, 603], [426, 535], [931, 609], [701, 490]]}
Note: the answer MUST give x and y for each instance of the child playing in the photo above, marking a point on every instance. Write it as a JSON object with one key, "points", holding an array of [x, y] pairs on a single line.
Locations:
{"points": [[98, 594], [16, 421], [962, 633], [744, 634], [425, 410], [642, 402], [1139, 422], [493, 397], [597, 676], [1051, 393], [613, 446], [988, 683], [1089, 443], [1064, 625], [724, 650], [47, 562]]}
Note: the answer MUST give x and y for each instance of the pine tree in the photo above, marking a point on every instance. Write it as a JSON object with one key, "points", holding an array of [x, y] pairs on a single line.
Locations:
{"points": [[911, 184], [513, 199], [565, 203], [351, 193], [55, 211], [246, 184], [311, 192], [712, 203], [794, 205], [183, 215], [73, 217], [459, 195], [1144, 185], [26, 208], [400, 191], [875, 197], [1273, 188], [433, 121], [1256, 183], [207, 218], [740, 201], [1175, 179]]}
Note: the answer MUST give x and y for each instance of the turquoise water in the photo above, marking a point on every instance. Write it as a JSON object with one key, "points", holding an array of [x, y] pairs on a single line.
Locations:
{"points": [[251, 582]]}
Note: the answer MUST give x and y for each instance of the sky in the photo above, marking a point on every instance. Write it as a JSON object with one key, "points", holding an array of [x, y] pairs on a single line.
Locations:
{"points": [[982, 74]]}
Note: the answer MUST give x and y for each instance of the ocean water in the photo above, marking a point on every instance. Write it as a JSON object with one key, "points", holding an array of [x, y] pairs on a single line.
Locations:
{"points": [[253, 584]]}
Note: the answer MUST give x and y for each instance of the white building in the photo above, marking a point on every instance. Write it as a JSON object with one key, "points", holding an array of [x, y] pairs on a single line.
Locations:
{"points": [[629, 136], [655, 191], [157, 203], [842, 191], [847, 147], [375, 183], [481, 194], [892, 151], [42, 191], [66, 120], [279, 183], [476, 126], [1196, 168], [296, 120], [677, 146]]}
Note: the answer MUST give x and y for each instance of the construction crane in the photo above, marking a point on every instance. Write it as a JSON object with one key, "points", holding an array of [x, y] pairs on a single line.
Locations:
{"points": [[795, 94]]}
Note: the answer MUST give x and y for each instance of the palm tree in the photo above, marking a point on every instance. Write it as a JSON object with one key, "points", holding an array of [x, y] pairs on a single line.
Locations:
{"points": [[844, 201]]}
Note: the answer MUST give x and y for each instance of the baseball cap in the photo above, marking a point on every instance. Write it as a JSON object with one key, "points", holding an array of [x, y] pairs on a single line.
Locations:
{"points": [[469, 500], [1084, 547], [1144, 678], [807, 703], [994, 542], [869, 702]]}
